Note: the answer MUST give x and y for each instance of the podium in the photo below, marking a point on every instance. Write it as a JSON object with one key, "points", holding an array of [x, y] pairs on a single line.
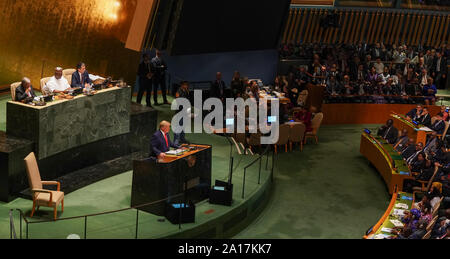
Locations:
{"points": [[155, 180]]}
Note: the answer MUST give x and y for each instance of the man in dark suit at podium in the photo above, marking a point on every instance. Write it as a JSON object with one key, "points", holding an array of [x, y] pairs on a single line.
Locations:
{"points": [[160, 141]]}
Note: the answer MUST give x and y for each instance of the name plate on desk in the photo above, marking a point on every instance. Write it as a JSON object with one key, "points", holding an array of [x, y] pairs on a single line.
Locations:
{"points": [[425, 129]]}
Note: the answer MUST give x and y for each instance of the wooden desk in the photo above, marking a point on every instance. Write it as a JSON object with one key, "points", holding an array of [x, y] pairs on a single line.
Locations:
{"points": [[65, 124], [385, 221], [171, 158], [154, 180], [400, 122], [388, 162]]}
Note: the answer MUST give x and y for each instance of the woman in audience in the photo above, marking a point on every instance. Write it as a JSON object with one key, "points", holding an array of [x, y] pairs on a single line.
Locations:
{"points": [[429, 91], [305, 116], [419, 163]]}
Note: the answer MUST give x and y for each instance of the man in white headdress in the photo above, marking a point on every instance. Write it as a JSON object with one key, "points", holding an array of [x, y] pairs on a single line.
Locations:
{"points": [[57, 83]]}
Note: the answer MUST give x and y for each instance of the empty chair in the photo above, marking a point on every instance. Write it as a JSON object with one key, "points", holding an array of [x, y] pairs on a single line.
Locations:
{"points": [[67, 73], [42, 197], [315, 124], [283, 136], [296, 135], [44, 82], [13, 90]]}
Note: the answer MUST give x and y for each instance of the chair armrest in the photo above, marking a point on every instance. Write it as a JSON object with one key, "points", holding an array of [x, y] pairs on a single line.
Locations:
{"points": [[58, 185], [44, 191]]}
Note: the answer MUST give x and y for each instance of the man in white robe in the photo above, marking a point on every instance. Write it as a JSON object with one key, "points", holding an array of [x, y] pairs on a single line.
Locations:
{"points": [[57, 83]]}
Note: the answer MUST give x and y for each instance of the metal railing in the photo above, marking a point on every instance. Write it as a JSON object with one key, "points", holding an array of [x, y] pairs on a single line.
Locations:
{"points": [[85, 217], [266, 153]]}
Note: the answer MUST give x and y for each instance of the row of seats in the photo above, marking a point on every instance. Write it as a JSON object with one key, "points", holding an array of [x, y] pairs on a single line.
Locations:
{"points": [[288, 134], [67, 73]]}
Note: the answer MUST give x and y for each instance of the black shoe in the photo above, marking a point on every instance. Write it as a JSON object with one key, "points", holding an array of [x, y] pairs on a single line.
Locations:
{"points": [[156, 103], [166, 102], [149, 105]]}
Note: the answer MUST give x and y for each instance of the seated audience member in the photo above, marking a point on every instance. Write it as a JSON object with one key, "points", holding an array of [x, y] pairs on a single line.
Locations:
{"points": [[254, 90], [442, 231], [302, 77], [424, 171], [379, 66], [25, 92], [402, 141], [444, 113], [348, 86], [419, 163], [413, 157], [57, 83], [409, 149], [422, 204], [333, 88], [438, 125], [388, 131], [385, 75], [403, 233], [420, 230], [415, 113], [429, 91], [425, 119], [306, 116]]}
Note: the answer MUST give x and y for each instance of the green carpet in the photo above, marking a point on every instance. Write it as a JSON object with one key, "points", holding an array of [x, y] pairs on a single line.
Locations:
{"points": [[327, 191]]}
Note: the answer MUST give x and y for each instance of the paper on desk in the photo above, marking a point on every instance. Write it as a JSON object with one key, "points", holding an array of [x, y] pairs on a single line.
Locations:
{"points": [[402, 206], [95, 77], [387, 230], [171, 152], [424, 129], [396, 223], [398, 212], [381, 236]]}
